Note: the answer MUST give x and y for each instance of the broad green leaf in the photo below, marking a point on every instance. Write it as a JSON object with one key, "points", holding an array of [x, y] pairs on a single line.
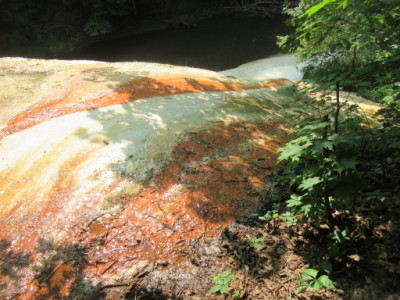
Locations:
{"points": [[317, 286], [305, 210], [228, 279], [309, 182], [224, 289], [218, 280], [340, 237], [309, 274], [293, 203], [326, 281], [319, 125], [214, 289], [295, 200], [291, 152], [347, 163], [302, 288], [325, 266], [342, 139], [319, 146]]}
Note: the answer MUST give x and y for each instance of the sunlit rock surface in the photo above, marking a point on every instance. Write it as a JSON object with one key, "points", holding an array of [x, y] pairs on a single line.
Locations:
{"points": [[74, 130], [107, 170], [279, 66]]}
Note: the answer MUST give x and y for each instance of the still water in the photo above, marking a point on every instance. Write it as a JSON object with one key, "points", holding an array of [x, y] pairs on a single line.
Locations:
{"points": [[217, 44]]}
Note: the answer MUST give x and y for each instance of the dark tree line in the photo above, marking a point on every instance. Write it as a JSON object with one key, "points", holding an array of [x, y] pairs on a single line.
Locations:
{"points": [[58, 25]]}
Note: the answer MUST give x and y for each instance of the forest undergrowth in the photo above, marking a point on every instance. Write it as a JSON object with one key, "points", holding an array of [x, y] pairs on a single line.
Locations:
{"points": [[326, 228]]}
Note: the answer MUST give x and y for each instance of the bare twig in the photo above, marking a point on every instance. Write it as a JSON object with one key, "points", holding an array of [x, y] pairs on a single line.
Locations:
{"points": [[94, 219], [56, 268], [110, 266], [110, 286]]}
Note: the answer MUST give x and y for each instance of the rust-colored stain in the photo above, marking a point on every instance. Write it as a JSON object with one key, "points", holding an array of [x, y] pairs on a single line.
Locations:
{"points": [[59, 281], [145, 87], [214, 177], [17, 192], [28, 214]]}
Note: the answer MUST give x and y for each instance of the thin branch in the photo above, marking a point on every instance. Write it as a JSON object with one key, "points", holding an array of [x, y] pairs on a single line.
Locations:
{"points": [[337, 108]]}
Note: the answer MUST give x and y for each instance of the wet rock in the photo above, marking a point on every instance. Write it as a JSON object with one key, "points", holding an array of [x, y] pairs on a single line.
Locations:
{"points": [[83, 139], [128, 275]]}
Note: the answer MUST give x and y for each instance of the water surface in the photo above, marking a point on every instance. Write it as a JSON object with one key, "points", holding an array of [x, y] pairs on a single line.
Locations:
{"points": [[217, 44]]}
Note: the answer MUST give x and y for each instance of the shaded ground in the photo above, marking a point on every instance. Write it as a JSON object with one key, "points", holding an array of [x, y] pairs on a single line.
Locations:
{"points": [[369, 267]]}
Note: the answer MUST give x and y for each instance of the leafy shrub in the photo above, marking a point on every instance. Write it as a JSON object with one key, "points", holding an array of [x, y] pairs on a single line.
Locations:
{"points": [[324, 162]]}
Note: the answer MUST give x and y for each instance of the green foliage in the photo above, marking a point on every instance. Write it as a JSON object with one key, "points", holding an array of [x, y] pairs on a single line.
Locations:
{"points": [[52, 24], [356, 42], [54, 27], [324, 164], [340, 236], [377, 195], [289, 218], [236, 294], [221, 282], [254, 242], [310, 278], [271, 214]]}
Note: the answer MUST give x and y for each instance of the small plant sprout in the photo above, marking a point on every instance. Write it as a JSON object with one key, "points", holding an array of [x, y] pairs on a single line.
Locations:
{"points": [[377, 195], [254, 242], [221, 283], [289, 218], [236, 294], [271, 214], [310, 278], [340, 237]]}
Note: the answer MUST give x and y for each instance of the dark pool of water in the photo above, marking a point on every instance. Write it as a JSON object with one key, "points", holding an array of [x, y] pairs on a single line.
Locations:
{"points": [[217, 44]]}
